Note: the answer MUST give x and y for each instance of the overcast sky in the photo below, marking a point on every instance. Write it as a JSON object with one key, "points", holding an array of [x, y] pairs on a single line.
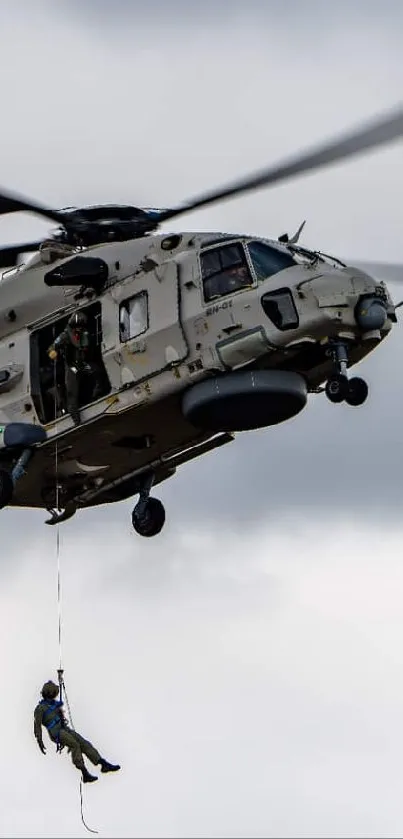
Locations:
{"points": [[244, 666]]}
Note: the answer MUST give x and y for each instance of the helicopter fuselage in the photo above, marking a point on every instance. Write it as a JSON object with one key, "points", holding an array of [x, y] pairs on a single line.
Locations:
{"points": [[169, 313]]}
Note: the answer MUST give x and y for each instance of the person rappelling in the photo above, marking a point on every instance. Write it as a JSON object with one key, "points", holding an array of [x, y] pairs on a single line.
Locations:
{"points": [[49, 713]]}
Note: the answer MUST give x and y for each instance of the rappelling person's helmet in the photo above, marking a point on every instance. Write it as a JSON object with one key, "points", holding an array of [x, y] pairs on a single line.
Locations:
{"points": [[78, 320], [49, 690]]}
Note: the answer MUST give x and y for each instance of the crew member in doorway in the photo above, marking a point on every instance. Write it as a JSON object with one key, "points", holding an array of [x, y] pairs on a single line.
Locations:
{"points": [[74, 344], [49, 713]]}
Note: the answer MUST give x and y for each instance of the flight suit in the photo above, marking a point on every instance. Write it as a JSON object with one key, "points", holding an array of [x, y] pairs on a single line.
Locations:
{"points": [[50, 714], [75, 345]]}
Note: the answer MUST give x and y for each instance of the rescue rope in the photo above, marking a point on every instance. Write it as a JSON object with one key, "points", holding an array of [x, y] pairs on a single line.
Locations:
{"points": [[90, 829], [59, 585], [60, 672], [64, 691], [59, 595]]}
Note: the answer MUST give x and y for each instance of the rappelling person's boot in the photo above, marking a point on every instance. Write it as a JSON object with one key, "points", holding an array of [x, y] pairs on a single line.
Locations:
{"points": [[76, 417], [87, 777], [109, 767]]}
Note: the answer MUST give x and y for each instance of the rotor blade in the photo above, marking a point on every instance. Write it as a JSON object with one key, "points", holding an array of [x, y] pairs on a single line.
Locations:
{"points": [[14, 204], [390, 272], [374, 134], [10, 254]]}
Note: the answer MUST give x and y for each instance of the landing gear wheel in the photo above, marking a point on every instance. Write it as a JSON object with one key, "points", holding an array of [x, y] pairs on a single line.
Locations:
{"points": [[336, 388], [6, 488], [357, 391], [148, 517]]}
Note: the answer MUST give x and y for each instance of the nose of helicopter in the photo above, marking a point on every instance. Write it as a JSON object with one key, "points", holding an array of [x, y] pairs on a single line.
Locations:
{"points": [[353, 299], [370, 313], [375, 305]]}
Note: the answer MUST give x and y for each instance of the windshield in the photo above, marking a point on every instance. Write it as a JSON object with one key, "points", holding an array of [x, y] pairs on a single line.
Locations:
{"points": [[268, 260]]}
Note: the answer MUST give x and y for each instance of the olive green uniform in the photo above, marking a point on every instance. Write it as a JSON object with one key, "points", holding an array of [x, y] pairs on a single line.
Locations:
{"points": [[74, 345], [61, 734]]}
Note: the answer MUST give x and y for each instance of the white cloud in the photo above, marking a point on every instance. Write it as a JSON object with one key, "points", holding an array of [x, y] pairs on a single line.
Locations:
{"points": [[152, 119], [247, 678], [255, 678]]}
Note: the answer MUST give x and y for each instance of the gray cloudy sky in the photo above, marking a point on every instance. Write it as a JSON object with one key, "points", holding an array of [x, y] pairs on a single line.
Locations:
{"points": [[245, 666]]}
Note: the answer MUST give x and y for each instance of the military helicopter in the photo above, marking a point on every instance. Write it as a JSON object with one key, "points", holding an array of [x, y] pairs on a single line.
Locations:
{"points": [[194, 337]]}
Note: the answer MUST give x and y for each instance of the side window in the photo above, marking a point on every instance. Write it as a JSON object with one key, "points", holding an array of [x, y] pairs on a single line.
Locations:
{"points": [[280, 308], [268, 261], [224, 271], [133, 316]]}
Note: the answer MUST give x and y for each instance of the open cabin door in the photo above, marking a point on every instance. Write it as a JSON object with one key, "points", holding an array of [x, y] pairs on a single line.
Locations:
{"points": [[48, 388], [151, 338]]}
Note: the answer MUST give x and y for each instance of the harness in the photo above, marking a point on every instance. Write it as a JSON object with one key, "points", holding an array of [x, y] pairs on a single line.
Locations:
{"points": [[51, 717], [79, 345], [74, 345]]}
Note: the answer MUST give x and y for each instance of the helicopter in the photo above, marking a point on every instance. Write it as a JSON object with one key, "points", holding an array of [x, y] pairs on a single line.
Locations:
{"points": [[194, 338]]}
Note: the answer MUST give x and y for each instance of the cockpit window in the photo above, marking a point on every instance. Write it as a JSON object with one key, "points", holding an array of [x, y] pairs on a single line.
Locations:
{"points": [[268, 261], [224, 271]]}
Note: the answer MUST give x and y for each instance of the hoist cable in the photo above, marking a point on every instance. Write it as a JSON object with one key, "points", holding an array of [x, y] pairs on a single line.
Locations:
{"points": [[59, 599], [59, 589], [60, 671]]}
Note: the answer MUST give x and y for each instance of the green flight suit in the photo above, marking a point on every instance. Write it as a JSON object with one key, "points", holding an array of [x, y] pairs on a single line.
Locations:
{"points": [[61, 734], [75, 346]]}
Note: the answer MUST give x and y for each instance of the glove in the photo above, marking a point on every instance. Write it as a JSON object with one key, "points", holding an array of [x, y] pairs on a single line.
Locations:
{"points": [[52, 354], [42, 747]]}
